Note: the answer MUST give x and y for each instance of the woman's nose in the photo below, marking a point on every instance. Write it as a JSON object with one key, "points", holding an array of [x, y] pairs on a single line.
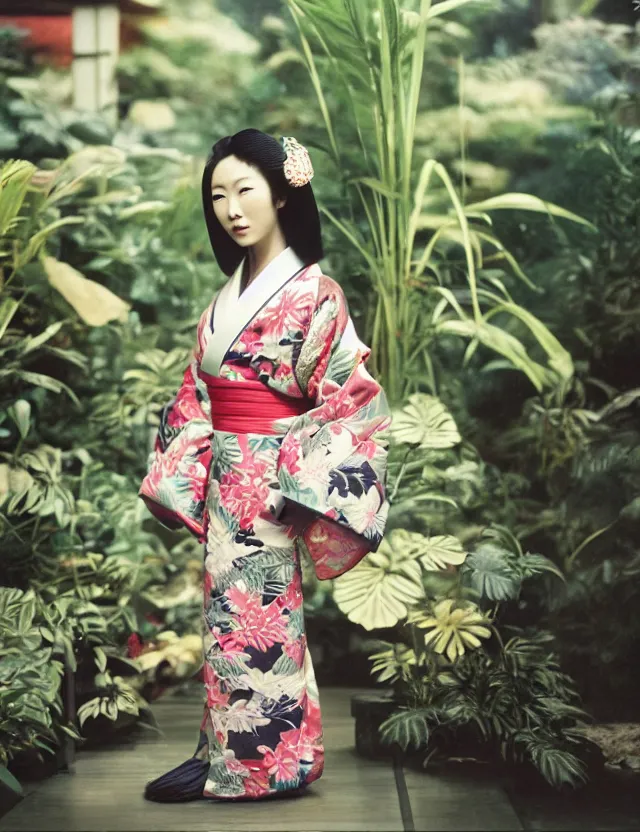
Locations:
{"points": [[233, 208]]}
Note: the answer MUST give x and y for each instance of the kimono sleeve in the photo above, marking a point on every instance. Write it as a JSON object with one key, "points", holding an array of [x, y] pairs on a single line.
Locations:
{"points": [[333, 458], [174, 489]]}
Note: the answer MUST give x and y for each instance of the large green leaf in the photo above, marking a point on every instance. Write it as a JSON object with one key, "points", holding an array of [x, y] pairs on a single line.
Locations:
{"points": [[380, 589], [40, 380], [533, 564], [14, 183], [424, 422], [557, 766], [501, 342], [559, 358]]}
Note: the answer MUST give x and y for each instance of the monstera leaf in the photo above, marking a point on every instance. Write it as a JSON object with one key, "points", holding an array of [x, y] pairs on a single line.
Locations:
{"points": [[380, 589], [434, 553], [424, 422], [491, 574]]}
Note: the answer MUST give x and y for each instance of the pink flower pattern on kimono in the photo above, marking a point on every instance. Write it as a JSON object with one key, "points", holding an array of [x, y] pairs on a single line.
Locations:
{"points": [[257, 626], [251, 340], [337, 445], [176, 481], [243, 497], [236, 766], [281, 763], [289, 312], [290, 599], [186, 405]]}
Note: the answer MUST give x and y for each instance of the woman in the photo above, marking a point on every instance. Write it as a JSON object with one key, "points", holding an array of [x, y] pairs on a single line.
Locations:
{"points": [[273, 444]]}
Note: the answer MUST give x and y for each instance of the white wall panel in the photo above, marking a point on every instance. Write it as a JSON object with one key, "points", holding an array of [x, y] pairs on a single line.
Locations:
{"points": [[96, 42]]}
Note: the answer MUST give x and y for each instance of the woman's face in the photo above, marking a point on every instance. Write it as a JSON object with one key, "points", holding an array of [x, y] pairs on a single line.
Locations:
{"points": [[242, 201]]}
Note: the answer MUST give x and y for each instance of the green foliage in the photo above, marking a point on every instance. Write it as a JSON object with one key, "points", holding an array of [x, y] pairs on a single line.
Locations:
{"points": [[457, 679], [495, 494], [119, 697], [181, 85], [29, 677], [71, 525], [423, 244], [513, 701], [33, 122], [579, 444]]}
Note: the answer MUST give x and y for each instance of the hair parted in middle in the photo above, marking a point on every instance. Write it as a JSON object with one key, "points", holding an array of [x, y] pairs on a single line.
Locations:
{"points": [[299, 218]]}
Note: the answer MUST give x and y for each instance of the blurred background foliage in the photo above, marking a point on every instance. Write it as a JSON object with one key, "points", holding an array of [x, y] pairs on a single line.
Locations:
{"points": [[515, 505]]}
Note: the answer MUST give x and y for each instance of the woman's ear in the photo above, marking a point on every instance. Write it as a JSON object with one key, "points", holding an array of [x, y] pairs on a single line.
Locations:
{"points": [[280, 203]]}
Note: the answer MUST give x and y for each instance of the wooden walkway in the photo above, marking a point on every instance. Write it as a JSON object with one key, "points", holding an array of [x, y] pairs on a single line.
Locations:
{"points": [[353, 795]]}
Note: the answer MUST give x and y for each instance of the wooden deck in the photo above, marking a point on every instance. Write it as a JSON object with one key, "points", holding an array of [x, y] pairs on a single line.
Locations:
{"points": [[353, 795]]}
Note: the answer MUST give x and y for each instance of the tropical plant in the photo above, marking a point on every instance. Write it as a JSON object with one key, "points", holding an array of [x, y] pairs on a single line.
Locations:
{"points": [[408, 224], [514, 698], [449, 688], [453, 671], [75, 555], [577, 445], [30, 700]]}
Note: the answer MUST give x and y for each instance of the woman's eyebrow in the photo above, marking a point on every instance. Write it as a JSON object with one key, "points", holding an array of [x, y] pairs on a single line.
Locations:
{"points": [[235, 183]]}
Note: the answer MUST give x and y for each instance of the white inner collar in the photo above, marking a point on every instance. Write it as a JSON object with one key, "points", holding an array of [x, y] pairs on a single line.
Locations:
{"points": [[233, 311], [286, 262]]}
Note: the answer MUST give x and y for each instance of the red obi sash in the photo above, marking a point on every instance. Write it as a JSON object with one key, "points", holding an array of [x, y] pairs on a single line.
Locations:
{"points": [[249, 406]]}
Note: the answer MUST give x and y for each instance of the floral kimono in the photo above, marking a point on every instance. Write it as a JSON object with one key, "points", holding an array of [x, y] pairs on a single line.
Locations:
{"points": [[289, 335]]}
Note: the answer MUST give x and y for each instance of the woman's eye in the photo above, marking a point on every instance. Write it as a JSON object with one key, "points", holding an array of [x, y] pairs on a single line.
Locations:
{"points": [[216, 197], [242, 190]]}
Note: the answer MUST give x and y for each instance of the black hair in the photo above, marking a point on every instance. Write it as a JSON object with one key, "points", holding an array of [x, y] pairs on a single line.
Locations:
{"points": [[299, 218]]}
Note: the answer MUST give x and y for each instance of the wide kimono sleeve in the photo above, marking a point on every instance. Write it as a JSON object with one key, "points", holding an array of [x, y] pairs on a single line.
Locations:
{"points": [[332, 461], [178, 467]]}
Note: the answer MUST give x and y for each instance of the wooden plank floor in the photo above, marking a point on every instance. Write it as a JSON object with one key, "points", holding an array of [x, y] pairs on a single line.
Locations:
{"points": [[353, 795]]}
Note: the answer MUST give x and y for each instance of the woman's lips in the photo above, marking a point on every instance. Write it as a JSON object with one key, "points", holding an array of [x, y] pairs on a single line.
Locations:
{"points": [[240, 230]]}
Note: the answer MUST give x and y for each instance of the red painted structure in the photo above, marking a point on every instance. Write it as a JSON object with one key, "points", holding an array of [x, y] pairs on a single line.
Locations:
{"points": [[48, 24], [49, 35]]}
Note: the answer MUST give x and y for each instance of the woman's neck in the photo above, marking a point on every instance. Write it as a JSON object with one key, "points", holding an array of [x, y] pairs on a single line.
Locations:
{"points": [[263, 252]]}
